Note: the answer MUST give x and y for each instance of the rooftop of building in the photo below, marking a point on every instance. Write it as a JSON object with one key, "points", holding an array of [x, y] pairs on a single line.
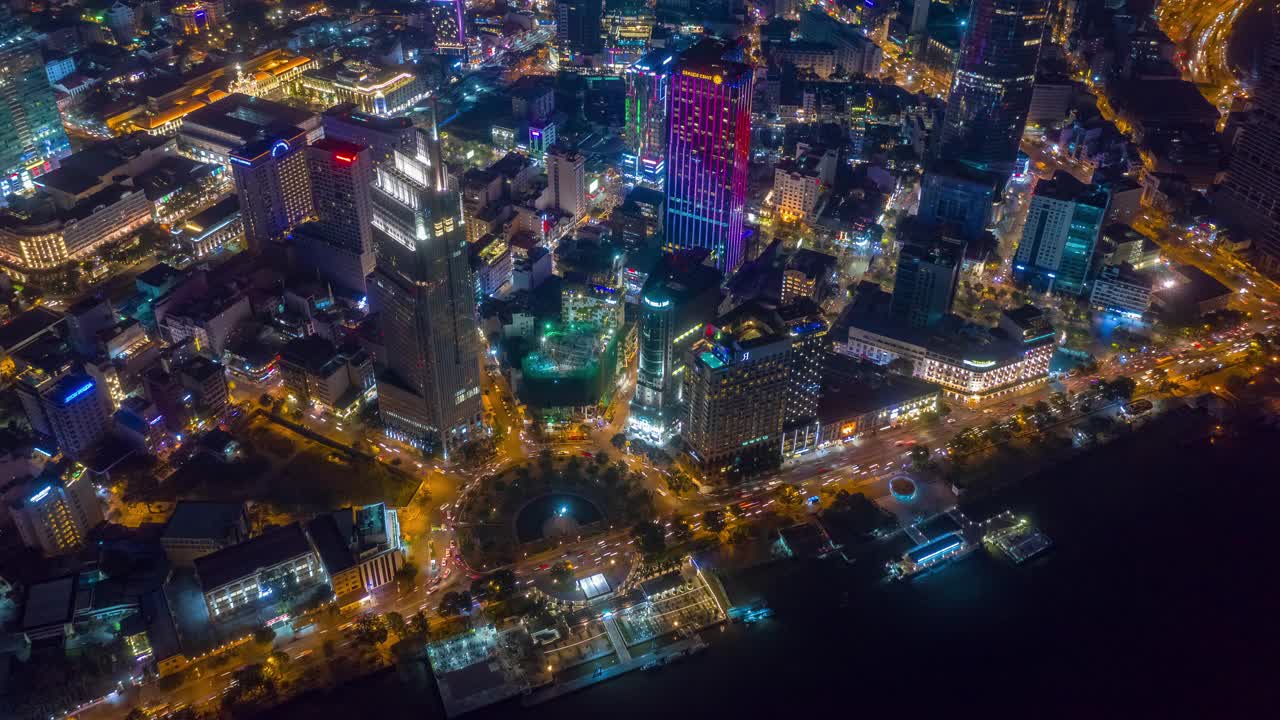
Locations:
{"points": [[315, 354], [238, 561], [351, 112], [331, 543], [245, 117], [681, 276], [707, 56], [952, 337], [26, 327], [338, 147], [210, 217], [640, 195], [1065, 187], [853, 387], [1125, 273], [511, 164], [86, 168], [35, 213], [204, 520], [1161, 101], [158, 275]]}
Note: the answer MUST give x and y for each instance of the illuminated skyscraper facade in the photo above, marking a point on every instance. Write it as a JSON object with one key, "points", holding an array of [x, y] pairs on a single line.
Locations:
{"points": [[449, 23], [424, 296], [31, 134], [339, 244], [274, 186], [708, 144], [993, 81], [648, 86]]}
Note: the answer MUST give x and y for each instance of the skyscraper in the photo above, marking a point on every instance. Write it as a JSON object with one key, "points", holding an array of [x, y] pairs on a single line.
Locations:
{"points": [[992, 85], [31, 134], [735, 393], [678, 300], [1249, 198], [424, 297], [579, 27], [925, 281], [339, 244], [274, 186], [648, 85], [1062, 228], [708, 146]]}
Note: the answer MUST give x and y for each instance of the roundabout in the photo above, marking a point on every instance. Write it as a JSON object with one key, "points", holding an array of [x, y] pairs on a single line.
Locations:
{"points": [[527, 511]]}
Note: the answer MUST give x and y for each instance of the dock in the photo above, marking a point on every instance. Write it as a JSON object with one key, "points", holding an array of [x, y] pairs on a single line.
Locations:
{"points": [[662, 655]]}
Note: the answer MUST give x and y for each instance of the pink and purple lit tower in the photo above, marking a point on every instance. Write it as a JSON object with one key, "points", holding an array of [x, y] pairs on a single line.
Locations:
{"points": [[708, 141]]}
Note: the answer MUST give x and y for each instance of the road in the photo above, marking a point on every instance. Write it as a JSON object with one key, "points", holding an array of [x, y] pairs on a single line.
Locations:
{"points": [[1202, 30]]}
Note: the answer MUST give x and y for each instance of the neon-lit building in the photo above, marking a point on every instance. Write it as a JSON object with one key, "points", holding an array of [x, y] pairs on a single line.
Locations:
{"points": [[31, 134], [648, 85], [449, 23], [708, 143]]}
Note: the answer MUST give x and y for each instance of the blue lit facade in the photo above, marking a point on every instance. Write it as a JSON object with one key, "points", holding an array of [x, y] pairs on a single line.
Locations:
{"points": [[708, 143]]}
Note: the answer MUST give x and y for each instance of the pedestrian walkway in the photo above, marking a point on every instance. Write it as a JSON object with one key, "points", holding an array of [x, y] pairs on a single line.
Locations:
{"points": [[615, 637], [915, 534]]}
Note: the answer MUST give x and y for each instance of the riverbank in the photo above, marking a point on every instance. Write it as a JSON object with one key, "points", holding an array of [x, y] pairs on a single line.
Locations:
{"points": [[1156, 600]]}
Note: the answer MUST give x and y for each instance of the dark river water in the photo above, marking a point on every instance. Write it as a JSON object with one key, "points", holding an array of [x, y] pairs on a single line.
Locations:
{"points": [[1159, 599]]}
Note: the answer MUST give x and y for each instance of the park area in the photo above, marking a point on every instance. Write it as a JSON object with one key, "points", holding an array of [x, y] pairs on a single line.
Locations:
{"points": [[276, 466]]}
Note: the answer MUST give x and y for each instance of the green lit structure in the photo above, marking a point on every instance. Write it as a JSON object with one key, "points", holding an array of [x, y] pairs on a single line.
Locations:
{"points": [[570, 374]]}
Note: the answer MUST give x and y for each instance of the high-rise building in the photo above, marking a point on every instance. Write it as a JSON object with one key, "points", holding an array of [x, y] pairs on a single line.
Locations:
{"points": [[810, 344], [339, 244], [1249, 198], [678, 300], [380, 134], [959, 198], [736, 386], [55, 514], [567, 183], [1063, 224], [648, 85], [424, 297], [708, 147], [78, 411], [31, 134], [925, 281], [579, 27], [449, 24], [993, 81], [274, 186]]}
